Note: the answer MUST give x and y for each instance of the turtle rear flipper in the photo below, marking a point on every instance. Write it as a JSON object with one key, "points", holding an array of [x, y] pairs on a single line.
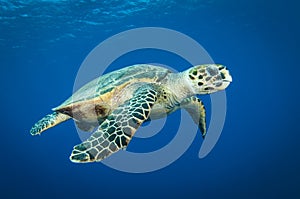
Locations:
{"points": [[119, 127], [47, 122]]}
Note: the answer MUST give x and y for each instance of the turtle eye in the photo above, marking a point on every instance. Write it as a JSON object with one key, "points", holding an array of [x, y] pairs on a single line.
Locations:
{"points": [[222, 75]]}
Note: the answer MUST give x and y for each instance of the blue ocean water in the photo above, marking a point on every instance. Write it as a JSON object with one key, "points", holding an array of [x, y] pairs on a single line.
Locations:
{"points": [[43, 44]]}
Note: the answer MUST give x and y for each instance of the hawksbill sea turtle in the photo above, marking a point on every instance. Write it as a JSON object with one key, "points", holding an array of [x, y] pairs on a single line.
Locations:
{"points": [[117, 103]]}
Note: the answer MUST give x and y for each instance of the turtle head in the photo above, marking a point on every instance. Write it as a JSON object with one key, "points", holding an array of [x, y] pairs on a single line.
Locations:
{"points": [[208, 78]]}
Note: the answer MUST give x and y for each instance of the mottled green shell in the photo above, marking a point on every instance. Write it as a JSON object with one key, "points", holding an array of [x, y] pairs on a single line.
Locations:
{"points": [[105, 85]]}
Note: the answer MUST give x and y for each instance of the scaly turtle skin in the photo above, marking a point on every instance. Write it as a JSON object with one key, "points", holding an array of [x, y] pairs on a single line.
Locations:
{"points": [[117, 103]]}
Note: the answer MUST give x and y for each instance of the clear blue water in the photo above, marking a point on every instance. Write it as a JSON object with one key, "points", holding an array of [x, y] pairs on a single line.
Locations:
{"points": [[43, 44]]}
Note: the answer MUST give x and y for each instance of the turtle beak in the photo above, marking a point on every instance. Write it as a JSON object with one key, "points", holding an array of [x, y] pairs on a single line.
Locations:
{"points": [[226, 77]]}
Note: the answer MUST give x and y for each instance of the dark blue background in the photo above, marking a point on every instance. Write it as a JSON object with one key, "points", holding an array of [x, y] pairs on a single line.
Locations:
{"points": [[257, 156]]}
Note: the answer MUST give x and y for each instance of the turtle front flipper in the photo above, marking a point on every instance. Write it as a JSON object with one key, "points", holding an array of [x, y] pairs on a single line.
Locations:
{"points": [[47, 122], [119, 127], [196, 109]]}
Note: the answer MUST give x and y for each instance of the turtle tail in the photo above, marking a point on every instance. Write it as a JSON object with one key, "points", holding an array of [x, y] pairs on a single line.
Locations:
{"points": [[47, 122]]}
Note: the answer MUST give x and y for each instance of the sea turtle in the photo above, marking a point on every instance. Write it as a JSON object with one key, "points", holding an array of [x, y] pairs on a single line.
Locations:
{"points": [[117, 103]]}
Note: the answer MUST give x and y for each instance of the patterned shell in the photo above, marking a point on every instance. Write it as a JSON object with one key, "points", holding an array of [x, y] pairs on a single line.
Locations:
{"points": [[106, 85]]}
